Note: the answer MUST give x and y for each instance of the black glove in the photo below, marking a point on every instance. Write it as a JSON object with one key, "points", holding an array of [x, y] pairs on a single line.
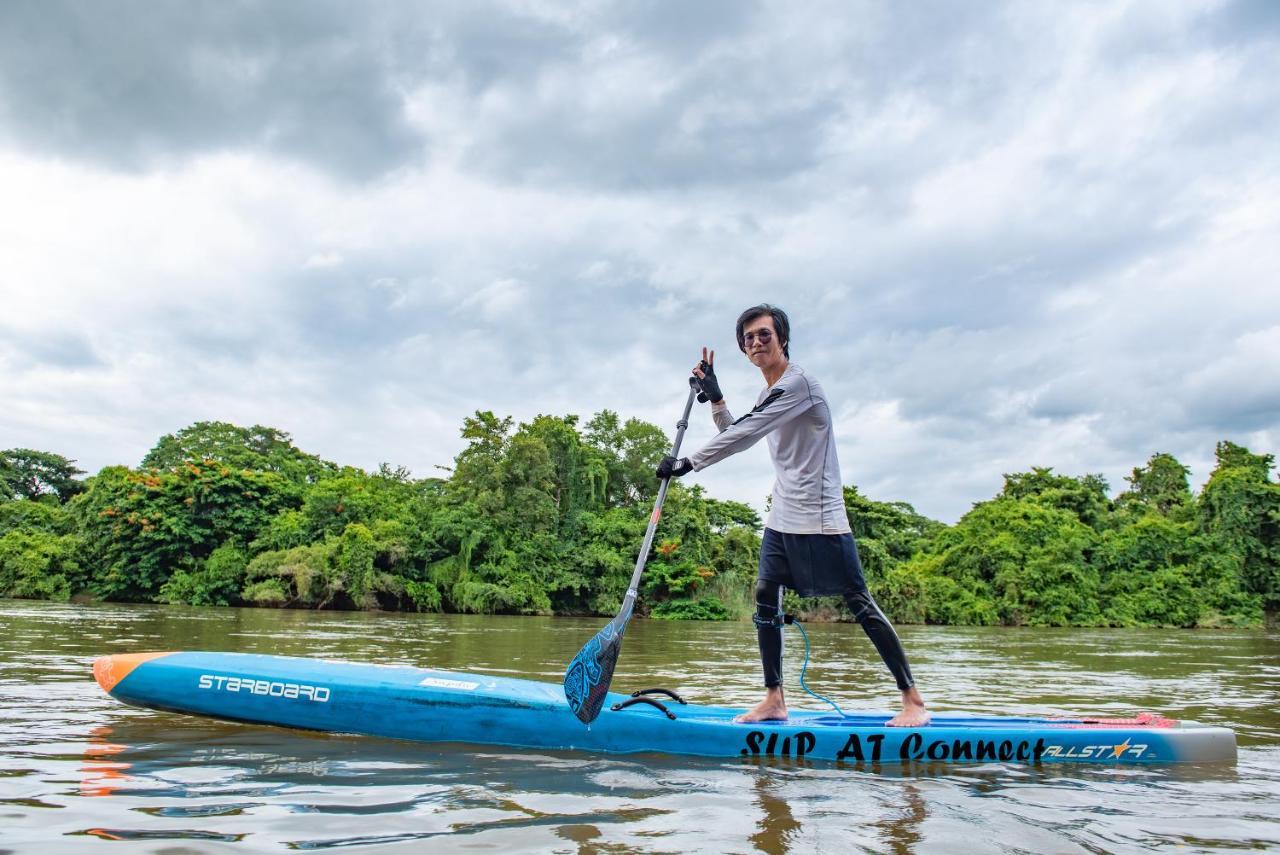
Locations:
{"points": [[671, 467], [709, 385]]}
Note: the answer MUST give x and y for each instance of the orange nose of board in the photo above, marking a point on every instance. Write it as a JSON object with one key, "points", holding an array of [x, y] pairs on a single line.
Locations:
{"points": [[110, 670]]}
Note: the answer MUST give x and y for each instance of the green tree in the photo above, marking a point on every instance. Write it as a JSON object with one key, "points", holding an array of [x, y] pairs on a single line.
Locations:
{"points": [[335, 503], [1149, 573], [285, 530], [725, 516], [706, 608], [578, 476], [29, 474], [38, 565], [602, 561], [1239, 512], [527, 501], [477, 470], [887, 532], [40, 516], [214, 582], [258, 448], [631, 452], [504, 525], [299, 576], [354, 559], [1160, 486], [1014, 561], [1085, 496], [140, 527]]}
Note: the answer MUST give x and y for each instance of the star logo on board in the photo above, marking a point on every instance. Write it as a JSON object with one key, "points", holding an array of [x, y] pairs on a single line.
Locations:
{"points": [[1120, 749]]}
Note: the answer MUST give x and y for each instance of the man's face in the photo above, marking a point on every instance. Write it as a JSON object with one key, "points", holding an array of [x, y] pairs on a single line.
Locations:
{"points": [[761, 341]]}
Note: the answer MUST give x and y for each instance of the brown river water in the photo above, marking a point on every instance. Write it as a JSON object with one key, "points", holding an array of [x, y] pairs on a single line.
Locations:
{"points": [[81, 772]]}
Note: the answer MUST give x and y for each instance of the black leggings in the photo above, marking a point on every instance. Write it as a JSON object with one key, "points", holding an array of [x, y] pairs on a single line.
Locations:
{"points": [[865, 611]]}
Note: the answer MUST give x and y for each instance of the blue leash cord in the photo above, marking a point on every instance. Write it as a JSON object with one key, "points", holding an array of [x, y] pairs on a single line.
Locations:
{"points": [[803, 667]]}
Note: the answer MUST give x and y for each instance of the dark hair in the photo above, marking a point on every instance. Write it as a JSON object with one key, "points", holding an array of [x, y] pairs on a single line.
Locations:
{"points": [[780, 324]]}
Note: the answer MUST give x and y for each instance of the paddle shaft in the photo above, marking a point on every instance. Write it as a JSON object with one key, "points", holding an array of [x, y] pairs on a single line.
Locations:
{"points": [[628, 602], [586, 680]]}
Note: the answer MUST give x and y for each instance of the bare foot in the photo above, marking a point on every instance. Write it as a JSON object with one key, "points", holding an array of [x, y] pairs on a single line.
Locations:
{"points": [[772, 708], [910, 717], [913, 712]]}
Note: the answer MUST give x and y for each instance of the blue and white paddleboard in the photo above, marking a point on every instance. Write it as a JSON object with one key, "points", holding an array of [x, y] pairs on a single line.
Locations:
{"points": [[449, 706]]}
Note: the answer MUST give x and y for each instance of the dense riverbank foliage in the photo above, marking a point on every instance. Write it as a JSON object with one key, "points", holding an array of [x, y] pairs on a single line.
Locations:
{"points": [[545, 518]]}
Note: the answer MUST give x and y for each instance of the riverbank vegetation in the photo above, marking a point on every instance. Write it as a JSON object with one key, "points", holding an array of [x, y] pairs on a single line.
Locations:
{"points": [[545, 517]]}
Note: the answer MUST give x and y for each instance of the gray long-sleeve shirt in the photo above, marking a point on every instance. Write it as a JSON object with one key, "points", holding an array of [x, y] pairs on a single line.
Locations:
{"points": [[808, 497]]}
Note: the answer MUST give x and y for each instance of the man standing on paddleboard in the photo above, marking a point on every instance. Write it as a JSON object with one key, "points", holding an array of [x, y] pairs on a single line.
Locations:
{"points": [[808, 545]]}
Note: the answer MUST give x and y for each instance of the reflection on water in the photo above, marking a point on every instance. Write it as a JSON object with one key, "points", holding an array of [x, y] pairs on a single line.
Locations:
{"points": [[101, 775], [78, 769], [777, 825], [902, 833]]}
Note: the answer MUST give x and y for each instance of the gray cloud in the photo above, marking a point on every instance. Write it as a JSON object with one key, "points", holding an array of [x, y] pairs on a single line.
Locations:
{"points": [[1245, 21], [55, 348], [1008, 235], [136, 84]]}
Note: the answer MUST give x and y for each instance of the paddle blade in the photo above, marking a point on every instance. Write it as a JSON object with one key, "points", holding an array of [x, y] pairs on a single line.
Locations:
{"points": [[586, 682]]}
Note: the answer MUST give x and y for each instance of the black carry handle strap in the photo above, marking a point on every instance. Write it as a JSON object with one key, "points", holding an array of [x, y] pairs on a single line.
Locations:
{"points": [[644, 700], [656, 691]]}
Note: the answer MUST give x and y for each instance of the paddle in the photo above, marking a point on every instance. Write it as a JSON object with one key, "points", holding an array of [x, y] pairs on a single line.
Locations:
{"points": [[586, 682]]}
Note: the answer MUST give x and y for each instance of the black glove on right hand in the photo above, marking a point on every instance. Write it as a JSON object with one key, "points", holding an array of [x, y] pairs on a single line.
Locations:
{"points": [[671, 467], [708, 383]]}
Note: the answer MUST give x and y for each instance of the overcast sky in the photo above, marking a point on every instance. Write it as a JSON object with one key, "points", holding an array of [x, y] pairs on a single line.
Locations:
{"points": [[1007, 234]]}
